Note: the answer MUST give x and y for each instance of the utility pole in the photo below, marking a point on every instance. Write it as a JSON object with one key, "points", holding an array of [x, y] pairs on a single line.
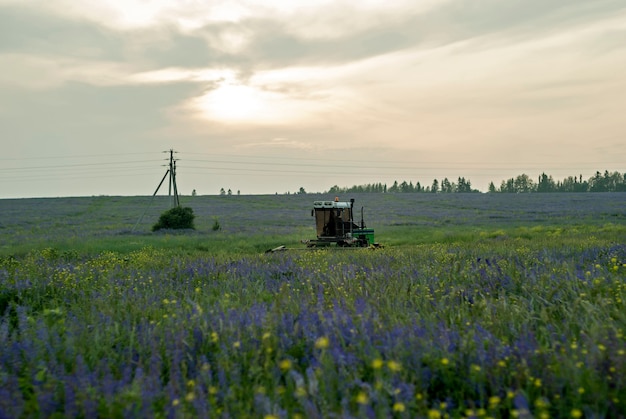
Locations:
{"points": [[174, 201]]}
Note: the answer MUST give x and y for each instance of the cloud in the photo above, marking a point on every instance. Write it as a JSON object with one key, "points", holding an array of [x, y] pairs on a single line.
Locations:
{"points": [[78, 117], [27, 29], [469, 82]]}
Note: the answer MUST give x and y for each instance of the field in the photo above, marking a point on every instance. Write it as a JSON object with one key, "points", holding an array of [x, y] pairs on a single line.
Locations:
{"points": [[479, 305]]}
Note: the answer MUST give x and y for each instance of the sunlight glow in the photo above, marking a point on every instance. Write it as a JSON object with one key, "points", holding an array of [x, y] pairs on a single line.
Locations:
{"points": [[232, 103], [235, 102]]}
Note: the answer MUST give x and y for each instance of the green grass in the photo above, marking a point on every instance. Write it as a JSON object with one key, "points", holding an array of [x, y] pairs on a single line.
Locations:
{"points": [[516, 309]]}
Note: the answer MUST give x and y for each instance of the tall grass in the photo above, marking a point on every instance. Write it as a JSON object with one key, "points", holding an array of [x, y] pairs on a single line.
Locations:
{"points": [[456, 319]]}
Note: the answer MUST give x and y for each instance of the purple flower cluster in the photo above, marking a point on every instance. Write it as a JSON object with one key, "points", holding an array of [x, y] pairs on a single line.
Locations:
{"points": [[427, 330]]}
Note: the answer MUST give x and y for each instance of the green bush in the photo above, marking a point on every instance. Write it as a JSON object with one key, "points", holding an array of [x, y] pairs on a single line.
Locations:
{"points": [[175, 218]]}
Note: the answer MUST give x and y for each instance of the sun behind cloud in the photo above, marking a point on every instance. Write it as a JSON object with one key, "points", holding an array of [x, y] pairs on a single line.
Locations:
{"points": [[240, 103], [233, 103]]}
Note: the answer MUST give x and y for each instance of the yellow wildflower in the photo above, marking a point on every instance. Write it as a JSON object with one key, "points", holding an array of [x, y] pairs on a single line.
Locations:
{"points": [[394, 366], [377, 363], [362, 398], [398, 407], [576, 413], [494, 401], [285, 365], [322, 342], [434, 414]]}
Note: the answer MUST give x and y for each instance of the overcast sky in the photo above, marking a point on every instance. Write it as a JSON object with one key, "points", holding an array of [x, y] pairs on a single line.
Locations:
{"points": [[269, 96]]}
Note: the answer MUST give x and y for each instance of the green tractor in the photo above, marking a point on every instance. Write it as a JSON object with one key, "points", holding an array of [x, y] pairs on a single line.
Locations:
{"points": [[335, 226]]}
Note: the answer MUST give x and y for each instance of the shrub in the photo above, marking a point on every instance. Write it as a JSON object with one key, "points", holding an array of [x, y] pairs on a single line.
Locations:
{"points": [[175, 218]]}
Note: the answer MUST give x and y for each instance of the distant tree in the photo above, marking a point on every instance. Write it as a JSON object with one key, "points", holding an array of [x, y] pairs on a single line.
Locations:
{"points": [[546, 184], [394, 188], [508, 186], [193, 193], [446, 186], [238, 192], [596, 183], [492, 187], [230, 192], [615, 181], [570, 184], [334, 190], [622, 185], [404, 187], [222, 191], [523, 183], [301, 191], [464, 186], [435, 186]]}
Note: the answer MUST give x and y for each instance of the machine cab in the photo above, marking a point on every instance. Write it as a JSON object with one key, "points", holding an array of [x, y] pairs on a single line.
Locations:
{"points": [[333, 218]]}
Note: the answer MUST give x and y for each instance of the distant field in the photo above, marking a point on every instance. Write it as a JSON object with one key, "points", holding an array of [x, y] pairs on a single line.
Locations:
{"points": [[251, 223], [477, 306]]}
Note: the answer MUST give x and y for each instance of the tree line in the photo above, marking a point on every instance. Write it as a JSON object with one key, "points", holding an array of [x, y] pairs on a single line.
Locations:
{"points": [[600, 182]]}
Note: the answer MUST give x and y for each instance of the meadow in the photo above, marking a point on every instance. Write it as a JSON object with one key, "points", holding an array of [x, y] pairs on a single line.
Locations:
{"points": [[478, 305]]}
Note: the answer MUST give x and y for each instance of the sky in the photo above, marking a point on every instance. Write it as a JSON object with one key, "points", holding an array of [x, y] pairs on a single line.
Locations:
{"points": [[264, 96]]}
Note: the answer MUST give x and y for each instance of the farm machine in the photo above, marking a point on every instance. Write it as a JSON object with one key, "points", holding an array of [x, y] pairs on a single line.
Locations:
{"points": [[335, 226]]}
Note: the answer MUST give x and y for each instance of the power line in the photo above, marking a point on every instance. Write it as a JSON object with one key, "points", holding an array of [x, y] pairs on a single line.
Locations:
{"points": [[77, 176], [394, 163], [340, 170], [74, 156], [75, 165], [273, 166], [398, 172], [302, 161]]}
